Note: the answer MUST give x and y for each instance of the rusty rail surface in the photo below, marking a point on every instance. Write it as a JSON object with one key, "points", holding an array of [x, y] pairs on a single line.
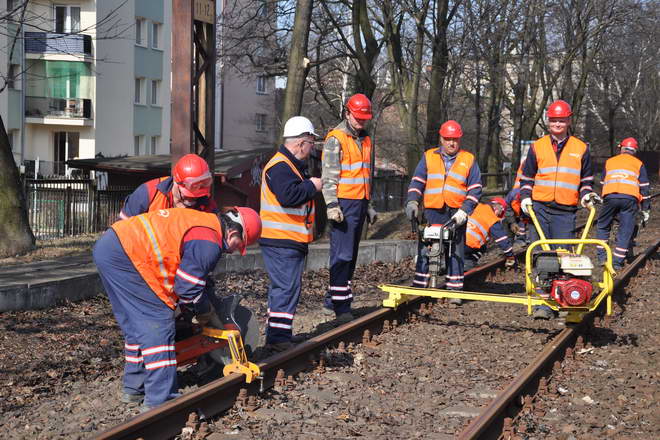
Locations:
{"points": [[490, 423]]}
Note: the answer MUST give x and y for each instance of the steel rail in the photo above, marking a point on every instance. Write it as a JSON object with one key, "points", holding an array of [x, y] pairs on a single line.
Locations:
{"points": [[489, 424], [168, 419]]}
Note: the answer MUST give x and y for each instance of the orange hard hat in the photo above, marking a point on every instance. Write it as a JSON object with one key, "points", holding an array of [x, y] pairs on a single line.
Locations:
{"points": [[629, 143], [559, 109], [500, 201], [451, 130], [192, 175], [251, 222], [360, 106]]}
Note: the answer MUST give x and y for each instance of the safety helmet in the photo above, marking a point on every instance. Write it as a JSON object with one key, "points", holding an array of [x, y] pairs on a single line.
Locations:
{"points": [[360, 106], [559, 109], [192, 175], [499, 201], [629, 143], [251, 223], [297, 126], [451, 130]]}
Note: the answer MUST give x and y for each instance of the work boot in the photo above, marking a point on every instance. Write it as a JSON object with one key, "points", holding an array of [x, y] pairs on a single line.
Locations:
{"points": [[279, 347], [131, 398], [343, 318], [297, 339], [543, 312], [456, 301], [618, 267], [144, 408]]}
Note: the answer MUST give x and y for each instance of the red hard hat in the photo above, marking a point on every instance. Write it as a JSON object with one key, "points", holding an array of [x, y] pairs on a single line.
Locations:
{"points": [[629, 143], [192, 175], [559, 109], [451, 130], [360, 106], [251, 223], [500, 201]]}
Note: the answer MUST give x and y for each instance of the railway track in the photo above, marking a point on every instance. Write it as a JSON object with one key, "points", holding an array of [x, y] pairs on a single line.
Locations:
{"points": [[220, 395]]}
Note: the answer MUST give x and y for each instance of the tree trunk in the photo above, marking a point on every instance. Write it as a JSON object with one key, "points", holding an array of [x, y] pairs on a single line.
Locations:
{"points": [[15, 234]]}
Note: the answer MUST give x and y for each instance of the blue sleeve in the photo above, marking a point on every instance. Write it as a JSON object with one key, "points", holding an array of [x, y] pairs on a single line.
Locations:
{"points": [[136, 203], [289, 190], [418, 182], [586, 175], [644, 189], [200, 254], [529, 169], [511, 196], [474, 188], [500, 236]]}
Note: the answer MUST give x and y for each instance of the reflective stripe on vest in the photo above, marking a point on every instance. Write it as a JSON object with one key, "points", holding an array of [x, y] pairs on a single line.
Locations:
{"points": [[622, 176], [558, 181], [519, 174], [355, 167], [152, 241], [479, 223], [446, 187], [278, 222]]}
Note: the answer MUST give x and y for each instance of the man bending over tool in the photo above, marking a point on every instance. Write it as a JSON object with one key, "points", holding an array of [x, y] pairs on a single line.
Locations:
{"points": [[148, 264], [485, 221], [449, 181]]}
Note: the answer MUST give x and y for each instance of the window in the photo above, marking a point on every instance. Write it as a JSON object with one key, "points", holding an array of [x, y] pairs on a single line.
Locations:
{"points": [[261, 85], [155, 92], [138, 145], [155, 35], [140, 31], [260, 121], [67, 19], [154, 144], [139, 91]]}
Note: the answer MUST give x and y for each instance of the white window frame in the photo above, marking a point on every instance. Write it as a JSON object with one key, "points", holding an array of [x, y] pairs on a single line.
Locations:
{"points": [[138, 143], [139, 95], [260, 122], [142, 37], [67, 20], [156, 35], [153, 146], [262, 82], [155, 94]]}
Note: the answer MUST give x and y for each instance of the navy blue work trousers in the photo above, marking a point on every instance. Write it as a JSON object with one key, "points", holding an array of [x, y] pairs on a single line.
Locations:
{"points": [[344, 247], [625, 211], [454, 262], [147, 324], [285, 268], [555, 223]]}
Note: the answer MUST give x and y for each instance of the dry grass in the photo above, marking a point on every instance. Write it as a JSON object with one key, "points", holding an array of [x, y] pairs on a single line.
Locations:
{"points": [[53, 249]]}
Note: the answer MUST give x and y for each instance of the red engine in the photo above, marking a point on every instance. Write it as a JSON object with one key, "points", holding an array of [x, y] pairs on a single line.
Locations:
{"points": [[571, 292]]}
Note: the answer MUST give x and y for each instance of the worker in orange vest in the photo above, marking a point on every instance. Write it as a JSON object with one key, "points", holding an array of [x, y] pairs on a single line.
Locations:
{"points": [[188, 187], [557, 175], [287, 214], [625, 190], [347, 161], [518, 220], [448, 180], [148, 264], [484, 222]]}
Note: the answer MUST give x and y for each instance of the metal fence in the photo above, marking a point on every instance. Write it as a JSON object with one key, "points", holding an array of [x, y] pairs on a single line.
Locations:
{"points": [[389, 193], [59, 208]]}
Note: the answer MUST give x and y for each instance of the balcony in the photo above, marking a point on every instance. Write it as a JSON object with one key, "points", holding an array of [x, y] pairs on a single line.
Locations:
{"points": [[58, 44], [57, 110]]}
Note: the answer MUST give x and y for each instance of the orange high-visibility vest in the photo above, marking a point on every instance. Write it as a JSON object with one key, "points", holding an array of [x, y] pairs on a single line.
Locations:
{"points": [[516, 183], [282, 223], [478, 225], [558, 181], [157, 200], [153, 243], [446, 187], [355, 174], [622, 175]]}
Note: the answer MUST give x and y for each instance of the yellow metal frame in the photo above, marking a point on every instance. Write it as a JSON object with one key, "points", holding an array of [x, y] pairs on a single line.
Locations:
{"points": [[401, 294], [240, 363]]}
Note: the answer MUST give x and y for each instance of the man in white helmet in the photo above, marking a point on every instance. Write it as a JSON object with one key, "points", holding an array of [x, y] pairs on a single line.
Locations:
{"points": [[287, 212]]}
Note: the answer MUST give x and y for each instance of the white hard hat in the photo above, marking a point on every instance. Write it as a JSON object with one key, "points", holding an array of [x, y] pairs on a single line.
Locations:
{"points": [[297, 126]]}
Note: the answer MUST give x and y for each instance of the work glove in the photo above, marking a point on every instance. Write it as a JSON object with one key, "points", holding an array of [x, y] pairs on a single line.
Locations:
{"points": [[372, 215], [460, 217], [203, 319], [646, 215], [589, 199], [335, 214], [412, 209], [510, 262], [525, 204]]}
